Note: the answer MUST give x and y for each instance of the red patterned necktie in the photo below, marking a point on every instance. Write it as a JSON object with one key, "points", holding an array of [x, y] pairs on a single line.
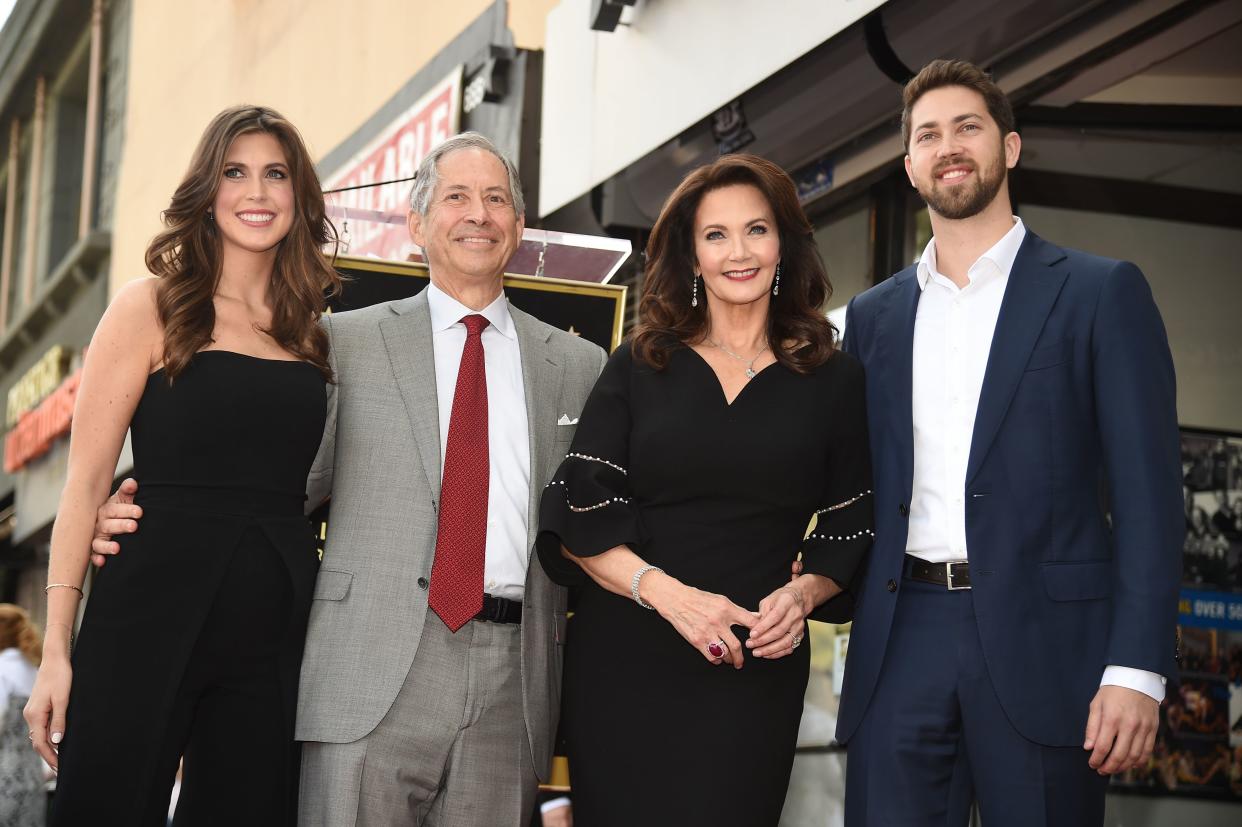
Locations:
{"points": [[457, 573]]}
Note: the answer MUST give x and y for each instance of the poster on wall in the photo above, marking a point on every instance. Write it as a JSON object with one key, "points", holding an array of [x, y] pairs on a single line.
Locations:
{"points": [[1199, 746]]}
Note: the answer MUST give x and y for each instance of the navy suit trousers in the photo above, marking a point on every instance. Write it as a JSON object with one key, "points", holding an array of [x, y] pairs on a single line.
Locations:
{"points": [[935, 738]]}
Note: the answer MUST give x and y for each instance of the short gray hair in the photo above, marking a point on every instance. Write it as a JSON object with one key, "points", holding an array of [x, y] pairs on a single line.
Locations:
{"points": [[425, 182]]}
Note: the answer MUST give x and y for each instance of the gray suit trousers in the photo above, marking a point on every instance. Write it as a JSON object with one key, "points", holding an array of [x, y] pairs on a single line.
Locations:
{"points": [[452, 750]]}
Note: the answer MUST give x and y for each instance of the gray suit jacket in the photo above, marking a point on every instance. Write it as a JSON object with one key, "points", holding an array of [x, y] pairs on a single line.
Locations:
{"points": [[380, 461]]}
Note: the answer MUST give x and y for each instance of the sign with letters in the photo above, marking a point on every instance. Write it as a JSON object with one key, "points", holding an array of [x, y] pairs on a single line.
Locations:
{"points": [[392, 156]]}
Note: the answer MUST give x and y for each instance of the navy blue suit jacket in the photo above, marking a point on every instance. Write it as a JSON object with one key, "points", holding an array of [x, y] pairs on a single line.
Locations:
{"points": [[1078, 392]]}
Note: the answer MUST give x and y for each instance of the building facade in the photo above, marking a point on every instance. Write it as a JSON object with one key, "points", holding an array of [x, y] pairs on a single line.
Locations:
{"points": [[62, 105]]}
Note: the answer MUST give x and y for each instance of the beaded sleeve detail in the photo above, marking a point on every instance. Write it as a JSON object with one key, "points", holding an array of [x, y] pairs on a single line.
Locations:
{"points": [[596, 459], [836, 549], [587, 508], [845, 503], [580, 509]]}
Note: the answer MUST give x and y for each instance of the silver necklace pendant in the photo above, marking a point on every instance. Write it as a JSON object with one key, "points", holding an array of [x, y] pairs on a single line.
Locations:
{"points": [[750, 367]]}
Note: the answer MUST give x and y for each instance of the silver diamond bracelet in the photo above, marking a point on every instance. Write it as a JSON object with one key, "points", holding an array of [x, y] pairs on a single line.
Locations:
{"points": [[638, 575]]}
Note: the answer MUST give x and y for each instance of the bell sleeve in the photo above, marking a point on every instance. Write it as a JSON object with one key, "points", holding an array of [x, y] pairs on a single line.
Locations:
{"points": [[587, 505], [838, 545]]}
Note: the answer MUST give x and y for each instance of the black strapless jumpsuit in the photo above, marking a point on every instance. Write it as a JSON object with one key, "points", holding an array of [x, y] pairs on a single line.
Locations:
{"points": [[192, 637]]}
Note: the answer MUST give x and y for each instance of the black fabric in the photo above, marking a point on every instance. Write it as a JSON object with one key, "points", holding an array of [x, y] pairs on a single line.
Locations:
{"points": [[192, 637], [720, 497], [500, 610]]}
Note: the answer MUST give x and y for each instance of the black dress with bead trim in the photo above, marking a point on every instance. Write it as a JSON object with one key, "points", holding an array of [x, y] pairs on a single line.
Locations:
{"points": [[718, 495], [192, 636]]}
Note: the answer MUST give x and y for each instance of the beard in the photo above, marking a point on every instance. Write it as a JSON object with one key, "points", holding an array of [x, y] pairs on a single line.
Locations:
{"points": [[957, 203]]}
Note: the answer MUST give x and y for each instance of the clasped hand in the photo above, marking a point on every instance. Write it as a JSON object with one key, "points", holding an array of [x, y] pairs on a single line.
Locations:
{"points": [[704, 619]]}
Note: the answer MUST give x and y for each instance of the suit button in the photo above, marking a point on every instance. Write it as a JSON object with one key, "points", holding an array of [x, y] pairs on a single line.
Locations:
{"points": [[892, 585], [902, 510], [422, 582]]}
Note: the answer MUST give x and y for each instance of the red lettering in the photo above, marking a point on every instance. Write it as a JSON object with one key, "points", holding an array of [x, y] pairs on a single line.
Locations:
{"points": [[38, 430]]}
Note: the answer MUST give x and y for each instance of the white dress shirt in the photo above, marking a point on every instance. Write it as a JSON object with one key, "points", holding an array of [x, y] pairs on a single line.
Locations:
{"points": [[953, 329], [508, 437]]}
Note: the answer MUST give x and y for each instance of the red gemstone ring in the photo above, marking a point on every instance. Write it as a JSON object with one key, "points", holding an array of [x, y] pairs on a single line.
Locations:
{"points": [[717, 649]]}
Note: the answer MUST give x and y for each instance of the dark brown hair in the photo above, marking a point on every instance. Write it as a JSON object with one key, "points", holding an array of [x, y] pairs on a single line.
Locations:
{"points": [[187, 255], [17, 631], [799, 334], [941, 73]]}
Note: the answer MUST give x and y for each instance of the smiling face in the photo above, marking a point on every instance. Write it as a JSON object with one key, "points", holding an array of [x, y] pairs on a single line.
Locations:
{"points": [[253, 208], [736, 244], [957, 159], [471, 228]]}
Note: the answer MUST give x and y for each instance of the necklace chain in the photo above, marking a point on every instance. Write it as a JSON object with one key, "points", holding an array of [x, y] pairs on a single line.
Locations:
{"points": [[750, 365]]}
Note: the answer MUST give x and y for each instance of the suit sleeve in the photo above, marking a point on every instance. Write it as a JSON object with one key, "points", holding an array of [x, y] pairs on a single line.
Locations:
{"points": [[849, 342], [838, 544], [587, 506], [1136, 415], [319, 481]]}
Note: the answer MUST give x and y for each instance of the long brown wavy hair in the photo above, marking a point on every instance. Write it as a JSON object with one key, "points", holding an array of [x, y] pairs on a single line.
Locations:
{"points": [[799, 334], [187, 255], [18, 631]]}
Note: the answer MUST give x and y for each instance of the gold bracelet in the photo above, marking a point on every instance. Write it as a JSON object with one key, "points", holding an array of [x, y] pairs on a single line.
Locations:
{"points": [[51, 586]]}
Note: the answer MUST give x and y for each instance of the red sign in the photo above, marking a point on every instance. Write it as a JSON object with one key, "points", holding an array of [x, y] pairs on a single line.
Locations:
{"points": [[37, 430], [377, 226]]}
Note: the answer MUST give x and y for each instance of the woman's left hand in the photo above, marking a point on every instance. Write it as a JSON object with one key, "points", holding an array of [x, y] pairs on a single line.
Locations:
{"points": [[782, 622]]}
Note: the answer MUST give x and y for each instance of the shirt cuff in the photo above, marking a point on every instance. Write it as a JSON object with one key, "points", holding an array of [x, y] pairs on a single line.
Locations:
{"points": [[554, 804], [1140, 680]]}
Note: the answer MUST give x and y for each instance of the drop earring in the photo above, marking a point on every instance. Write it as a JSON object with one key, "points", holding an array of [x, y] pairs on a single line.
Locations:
{"points": [[694, 290], [210, 215], [776, 286]]}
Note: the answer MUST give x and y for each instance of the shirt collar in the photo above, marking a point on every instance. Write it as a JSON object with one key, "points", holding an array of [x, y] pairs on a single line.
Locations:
{"points": [[446, 311], [1001, 254]]}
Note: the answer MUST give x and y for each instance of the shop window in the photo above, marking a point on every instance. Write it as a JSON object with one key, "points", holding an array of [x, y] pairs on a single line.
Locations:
{"points": [[845, 241], [66, 131], [920, 223]]}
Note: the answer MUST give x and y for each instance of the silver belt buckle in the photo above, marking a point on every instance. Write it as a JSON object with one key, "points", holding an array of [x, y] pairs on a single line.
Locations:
{"points": [[948, 577]]}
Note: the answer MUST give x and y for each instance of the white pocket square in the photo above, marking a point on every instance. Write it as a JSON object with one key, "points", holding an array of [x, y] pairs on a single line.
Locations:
{"points": [[565, 420]]}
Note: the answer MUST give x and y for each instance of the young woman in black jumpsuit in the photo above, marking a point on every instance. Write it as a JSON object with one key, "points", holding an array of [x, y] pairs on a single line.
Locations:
{"points": [[192, 638], [701, 456]]}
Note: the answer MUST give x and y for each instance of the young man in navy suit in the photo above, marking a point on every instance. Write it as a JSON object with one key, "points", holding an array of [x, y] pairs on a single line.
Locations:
{"points": [[1010, 646]]}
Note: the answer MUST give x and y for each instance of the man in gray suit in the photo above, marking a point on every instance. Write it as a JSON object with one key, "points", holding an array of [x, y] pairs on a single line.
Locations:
{"points": [[430, 685]]}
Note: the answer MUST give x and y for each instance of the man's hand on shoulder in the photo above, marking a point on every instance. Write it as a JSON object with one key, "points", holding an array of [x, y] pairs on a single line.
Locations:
{"points": [[117, 515], [1121, 729]]}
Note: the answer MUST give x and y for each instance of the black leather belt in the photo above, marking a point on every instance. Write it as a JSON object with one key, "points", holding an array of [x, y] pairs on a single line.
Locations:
{"points": [[500, 610], [953, 576]]}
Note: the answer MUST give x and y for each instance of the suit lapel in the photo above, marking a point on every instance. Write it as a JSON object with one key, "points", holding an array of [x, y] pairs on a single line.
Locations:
{"points": [[542, 373], [407, 338], [896, 327], [1034, 284]]}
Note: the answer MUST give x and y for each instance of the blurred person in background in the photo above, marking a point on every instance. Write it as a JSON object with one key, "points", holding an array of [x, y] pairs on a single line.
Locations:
{"points": [[23, 802], [192, 639]]}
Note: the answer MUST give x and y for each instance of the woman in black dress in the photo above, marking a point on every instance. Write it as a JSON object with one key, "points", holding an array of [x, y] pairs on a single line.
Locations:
{"points": [[710, 441], [192, 638]]}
